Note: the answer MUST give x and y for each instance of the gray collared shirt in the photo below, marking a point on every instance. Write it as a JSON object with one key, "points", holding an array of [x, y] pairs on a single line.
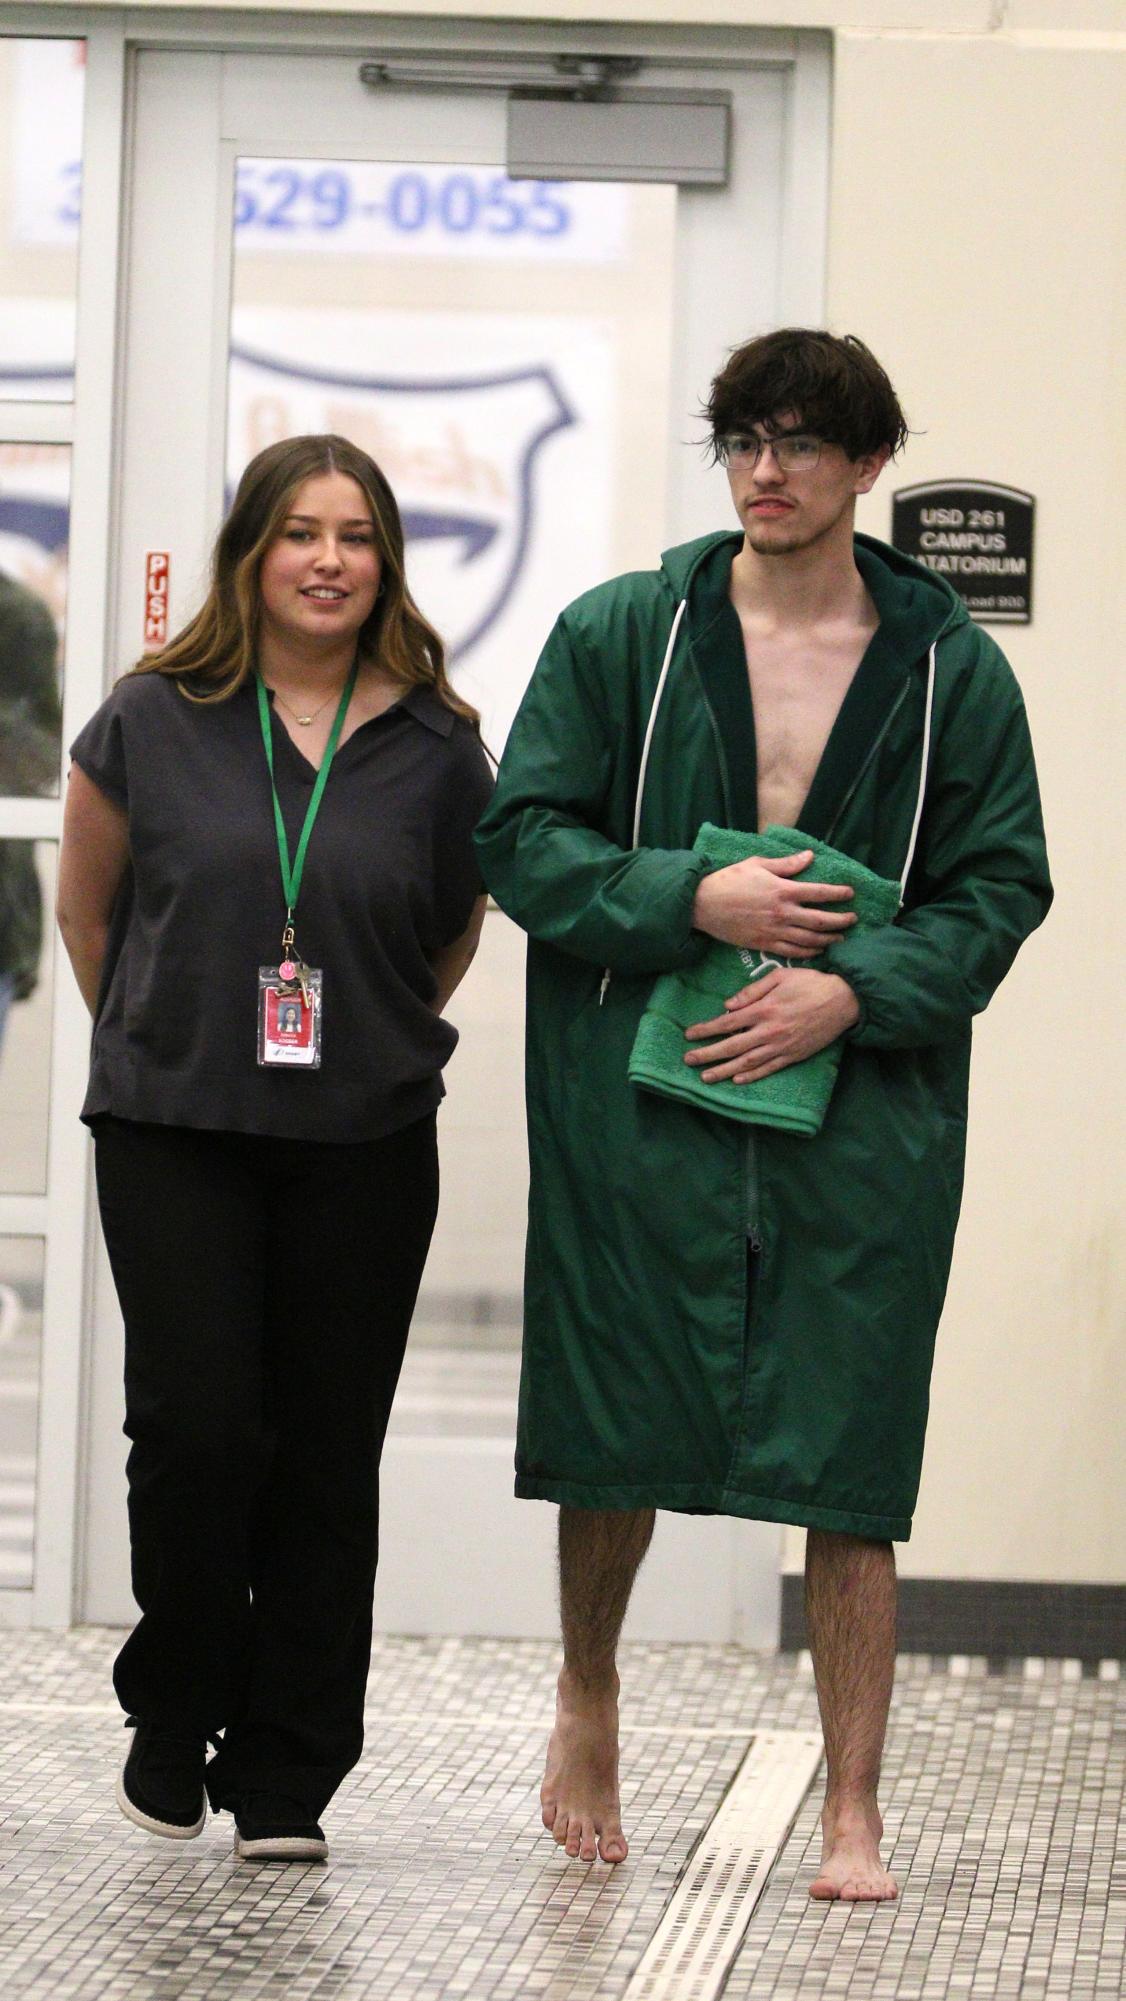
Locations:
{"points": [[390, 877]]}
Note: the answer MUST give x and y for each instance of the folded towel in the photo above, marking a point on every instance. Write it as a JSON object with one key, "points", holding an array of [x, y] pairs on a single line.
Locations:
{"points": [[796, 1098]]}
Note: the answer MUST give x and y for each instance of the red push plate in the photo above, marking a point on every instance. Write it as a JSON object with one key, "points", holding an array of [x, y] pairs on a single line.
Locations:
{"points": [[156, 599]]}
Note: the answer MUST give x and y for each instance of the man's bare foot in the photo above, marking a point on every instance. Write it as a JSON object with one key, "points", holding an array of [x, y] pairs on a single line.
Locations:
{"points": [[579, 1796], [850, 1857]]}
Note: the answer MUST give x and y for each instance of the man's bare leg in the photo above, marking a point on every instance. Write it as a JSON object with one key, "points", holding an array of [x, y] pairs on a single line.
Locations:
{"points": [[600, 1553], [850, 1612]]}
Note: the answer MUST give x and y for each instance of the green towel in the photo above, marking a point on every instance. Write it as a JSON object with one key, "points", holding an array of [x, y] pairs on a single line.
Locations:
{"points": [[796, 1098]]}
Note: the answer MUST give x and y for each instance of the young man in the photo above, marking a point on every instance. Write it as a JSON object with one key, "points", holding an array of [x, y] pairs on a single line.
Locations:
{"points": [[722, 1317]]}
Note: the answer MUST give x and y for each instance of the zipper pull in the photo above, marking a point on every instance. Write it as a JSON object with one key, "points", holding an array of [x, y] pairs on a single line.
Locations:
{"points": [[603, 987]]}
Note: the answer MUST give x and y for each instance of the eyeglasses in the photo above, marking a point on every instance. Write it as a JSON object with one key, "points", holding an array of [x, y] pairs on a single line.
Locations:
{"points": [[794, 451]]}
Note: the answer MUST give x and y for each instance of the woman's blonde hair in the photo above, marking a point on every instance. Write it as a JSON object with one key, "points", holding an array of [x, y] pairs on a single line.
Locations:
{"points": [[217, 649]]}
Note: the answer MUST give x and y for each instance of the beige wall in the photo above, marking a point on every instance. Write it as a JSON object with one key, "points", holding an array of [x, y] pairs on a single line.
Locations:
{"points": [[978, 17], [976, 240], [977, 233]]}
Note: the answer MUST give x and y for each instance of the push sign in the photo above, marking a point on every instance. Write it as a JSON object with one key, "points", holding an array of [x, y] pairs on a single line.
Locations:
{"points": [[977, 536], [156, 600]]}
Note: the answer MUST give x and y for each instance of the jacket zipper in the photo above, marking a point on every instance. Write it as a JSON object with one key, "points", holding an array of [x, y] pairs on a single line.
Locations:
{"points": [[720, 752], [888, 720], [873, 748], [751, 1185]]}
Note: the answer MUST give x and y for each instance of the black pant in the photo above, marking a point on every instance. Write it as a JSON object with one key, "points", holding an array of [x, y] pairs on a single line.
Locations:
{"points": [[267, 1287]]}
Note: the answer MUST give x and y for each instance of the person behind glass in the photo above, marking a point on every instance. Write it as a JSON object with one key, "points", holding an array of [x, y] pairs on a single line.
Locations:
{"points": [[268, 894], [30, 731]]}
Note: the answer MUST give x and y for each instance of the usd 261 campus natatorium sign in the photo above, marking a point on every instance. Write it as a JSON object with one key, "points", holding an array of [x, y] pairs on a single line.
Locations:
{"points": [[978, 536]]}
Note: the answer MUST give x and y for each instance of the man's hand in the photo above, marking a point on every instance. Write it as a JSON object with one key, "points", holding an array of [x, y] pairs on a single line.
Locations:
{"points": [[777, 1020], [757, 903]]}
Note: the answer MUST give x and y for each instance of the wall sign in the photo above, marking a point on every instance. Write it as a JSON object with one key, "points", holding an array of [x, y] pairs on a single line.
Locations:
{"points": [[976, 535]]}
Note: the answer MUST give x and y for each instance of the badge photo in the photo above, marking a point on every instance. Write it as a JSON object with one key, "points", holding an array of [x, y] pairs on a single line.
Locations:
{"points": [[289, 1019]]}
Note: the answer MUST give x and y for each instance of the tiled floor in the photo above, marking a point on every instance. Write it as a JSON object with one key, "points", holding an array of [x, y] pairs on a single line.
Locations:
{"points": [[1003, 1800]]}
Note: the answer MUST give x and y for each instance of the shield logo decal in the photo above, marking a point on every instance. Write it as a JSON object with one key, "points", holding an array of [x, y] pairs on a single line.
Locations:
{"points": [[460, 453]]}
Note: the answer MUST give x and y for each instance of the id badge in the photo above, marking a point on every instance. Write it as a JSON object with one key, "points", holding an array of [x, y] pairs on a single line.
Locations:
{"points": [[289, 1019]]}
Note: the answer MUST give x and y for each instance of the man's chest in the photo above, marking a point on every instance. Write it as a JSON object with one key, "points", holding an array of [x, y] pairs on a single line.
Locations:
{"points": [[797, 688]]}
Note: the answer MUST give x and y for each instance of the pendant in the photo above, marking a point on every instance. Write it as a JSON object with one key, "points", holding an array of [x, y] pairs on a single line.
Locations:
{"points": [[303, 720]]}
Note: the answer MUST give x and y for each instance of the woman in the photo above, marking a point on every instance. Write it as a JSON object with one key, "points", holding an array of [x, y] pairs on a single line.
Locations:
{"points": [[268, 895]]}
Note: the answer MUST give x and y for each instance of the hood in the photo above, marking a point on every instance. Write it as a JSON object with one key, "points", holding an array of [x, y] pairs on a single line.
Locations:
{"points": [[916, 606]]}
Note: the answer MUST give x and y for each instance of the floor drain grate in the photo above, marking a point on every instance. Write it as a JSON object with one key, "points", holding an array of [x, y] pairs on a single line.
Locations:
{"points": [[690, 1954]]}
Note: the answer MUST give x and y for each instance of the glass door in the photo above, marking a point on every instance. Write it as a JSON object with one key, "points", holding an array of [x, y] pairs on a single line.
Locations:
{"points": [[525, 355], [53, 448]]}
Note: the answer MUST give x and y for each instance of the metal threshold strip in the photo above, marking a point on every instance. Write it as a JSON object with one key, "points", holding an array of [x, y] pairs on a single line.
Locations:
{"points": [[693, 1948]]}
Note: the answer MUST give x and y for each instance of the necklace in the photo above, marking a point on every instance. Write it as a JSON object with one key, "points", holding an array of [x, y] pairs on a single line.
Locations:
{"points": [[304, 721]]}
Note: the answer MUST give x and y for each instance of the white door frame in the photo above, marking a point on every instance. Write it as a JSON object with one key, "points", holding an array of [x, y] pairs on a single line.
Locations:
{"points": [[64, 1216]]}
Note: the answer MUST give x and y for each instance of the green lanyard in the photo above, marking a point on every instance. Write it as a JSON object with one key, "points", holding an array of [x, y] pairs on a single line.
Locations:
{"points": [[291, 875]]}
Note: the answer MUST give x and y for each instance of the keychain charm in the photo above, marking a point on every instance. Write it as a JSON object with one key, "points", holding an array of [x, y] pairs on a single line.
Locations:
{"points": [[288, 968]]}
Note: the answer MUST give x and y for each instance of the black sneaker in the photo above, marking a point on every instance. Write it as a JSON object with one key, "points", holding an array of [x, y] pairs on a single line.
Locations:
{"points": [[161, 1783], [272, 1828]]}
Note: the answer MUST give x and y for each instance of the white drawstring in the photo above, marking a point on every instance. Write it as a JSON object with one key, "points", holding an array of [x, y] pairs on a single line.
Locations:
{"points": [[662, 678], [650, 727], [922, 776]]}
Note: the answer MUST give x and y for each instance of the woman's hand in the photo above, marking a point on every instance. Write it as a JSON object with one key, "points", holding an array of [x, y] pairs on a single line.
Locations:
{"points": [[776, 1021], [756, 903], [450, 965], [92, 861]]}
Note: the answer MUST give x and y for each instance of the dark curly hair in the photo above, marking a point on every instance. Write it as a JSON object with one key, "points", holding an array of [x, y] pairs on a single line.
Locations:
{"points": [[832, 383]]}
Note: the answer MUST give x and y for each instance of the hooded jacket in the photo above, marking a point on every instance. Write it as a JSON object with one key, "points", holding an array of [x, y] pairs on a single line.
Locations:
{"points": [[656, 1373]]}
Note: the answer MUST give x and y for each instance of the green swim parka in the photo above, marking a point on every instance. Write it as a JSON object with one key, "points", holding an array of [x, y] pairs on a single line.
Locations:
{"points": [[649, 1378]]}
